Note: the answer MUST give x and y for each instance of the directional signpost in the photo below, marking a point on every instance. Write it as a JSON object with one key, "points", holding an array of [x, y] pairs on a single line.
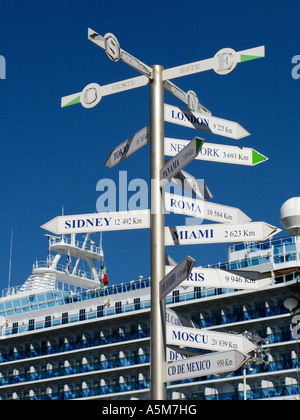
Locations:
{"points": [[183, 158], [99, 222], [188, 206], [197, 117], [219, 233], [218, 153], [227, 279], [210, 364], [176, 276], [207, 339], [203, 122]]}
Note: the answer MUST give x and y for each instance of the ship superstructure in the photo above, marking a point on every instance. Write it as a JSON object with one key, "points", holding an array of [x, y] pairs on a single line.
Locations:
{"points": [[64, 335]]}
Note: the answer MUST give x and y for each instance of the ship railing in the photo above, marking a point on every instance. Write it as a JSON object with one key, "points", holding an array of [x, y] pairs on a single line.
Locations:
{"points": [[66, 270], [89, 246], [261, 246]]}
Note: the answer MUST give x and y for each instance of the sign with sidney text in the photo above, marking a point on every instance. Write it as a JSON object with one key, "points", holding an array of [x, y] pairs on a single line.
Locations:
{"points": [[99, 222]]}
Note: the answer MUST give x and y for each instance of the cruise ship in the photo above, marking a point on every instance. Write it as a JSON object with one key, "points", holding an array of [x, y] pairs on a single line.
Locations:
{"points": [[65, 335]]}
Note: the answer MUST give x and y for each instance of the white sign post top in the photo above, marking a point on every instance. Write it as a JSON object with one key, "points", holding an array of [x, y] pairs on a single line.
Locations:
{"points": [[222, 63], [91, 95], [209, 364], [207, 339], [99, 222], [111, 46]]}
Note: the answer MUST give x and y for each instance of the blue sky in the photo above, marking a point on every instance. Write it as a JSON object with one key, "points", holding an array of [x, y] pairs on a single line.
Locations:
{"points": [[53, 157]]}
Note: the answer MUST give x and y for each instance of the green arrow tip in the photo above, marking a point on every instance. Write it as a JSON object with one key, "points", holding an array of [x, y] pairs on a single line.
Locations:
{"points": [[257, 157], [249, 57], [73, 102]]}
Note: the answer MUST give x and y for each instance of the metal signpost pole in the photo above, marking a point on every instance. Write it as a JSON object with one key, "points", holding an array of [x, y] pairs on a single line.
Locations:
{"points": [[157, 223]]}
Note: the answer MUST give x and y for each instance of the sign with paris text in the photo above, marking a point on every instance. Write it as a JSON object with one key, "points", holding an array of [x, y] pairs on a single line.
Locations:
{"points": [[183, 158], [218, 233], [176, 276], [201, 209], [209, 364], [220, 153], [99, 222], [207, 339], [227, 279], [202, 122]]}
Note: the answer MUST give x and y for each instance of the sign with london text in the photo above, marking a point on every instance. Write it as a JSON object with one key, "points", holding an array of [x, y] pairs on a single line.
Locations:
{"points": [[220, 153], [99, 222], [228, 279], [219, 233], [202, 122], [209, 364], [201, 209], [176, 276], [183, 158], [207, 339]]}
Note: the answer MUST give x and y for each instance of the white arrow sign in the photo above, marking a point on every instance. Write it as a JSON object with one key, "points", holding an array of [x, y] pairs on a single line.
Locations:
{"points": [[189, 183], [222, 63], [207, 339], [214, 125], [99, 222], [219, 233], [111, 46], [188, 206], [183, 158], [209, 364], [218, 152], [92, 94], [128, 147], [213, 277], [173, 354], [174, 318], [190, 98], [176, 276]]}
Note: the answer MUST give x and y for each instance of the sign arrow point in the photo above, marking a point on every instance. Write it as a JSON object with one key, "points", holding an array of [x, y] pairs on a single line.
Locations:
{"points": [[51, 226]]}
